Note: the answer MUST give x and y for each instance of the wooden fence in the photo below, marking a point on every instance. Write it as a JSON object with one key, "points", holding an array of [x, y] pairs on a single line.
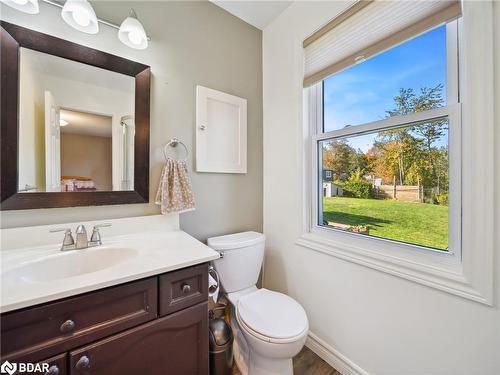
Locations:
{"points": [[406, 193]]}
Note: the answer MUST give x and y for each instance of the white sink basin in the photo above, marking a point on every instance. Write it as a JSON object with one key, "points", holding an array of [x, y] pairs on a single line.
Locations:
{"points": [[33, 271], [69, 264]]}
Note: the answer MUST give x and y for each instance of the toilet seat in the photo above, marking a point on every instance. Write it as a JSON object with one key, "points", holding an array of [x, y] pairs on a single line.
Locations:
{"points": [[272, 316]]}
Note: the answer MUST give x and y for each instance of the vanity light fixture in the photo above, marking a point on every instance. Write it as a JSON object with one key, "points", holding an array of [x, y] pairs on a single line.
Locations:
{"points": [[63, 122], [26, 6], [80, 15], [131, 32]]}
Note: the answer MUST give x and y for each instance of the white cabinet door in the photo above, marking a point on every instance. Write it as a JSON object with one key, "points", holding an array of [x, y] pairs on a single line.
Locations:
{"points": [[221, 132]]}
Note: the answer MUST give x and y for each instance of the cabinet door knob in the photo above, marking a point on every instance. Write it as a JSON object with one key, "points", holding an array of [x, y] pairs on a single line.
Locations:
{"points": [[53, 370], [186, 288], [68, 326], [83, 363]]}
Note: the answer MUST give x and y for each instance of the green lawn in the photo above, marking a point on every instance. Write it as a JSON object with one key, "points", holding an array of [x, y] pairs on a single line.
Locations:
{"points": [[419, 223]]}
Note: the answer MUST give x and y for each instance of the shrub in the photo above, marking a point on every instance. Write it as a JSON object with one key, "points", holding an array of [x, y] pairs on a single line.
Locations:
{"points": [[356, 189], [441, 199]]}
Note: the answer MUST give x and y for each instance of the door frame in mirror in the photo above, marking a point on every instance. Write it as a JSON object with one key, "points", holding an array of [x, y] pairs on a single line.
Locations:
{"points": [[14, 37]]}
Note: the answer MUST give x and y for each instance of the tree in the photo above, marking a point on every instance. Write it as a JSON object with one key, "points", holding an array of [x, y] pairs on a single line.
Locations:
{"points": [[413, 153], [408, 102], [337, 156]]}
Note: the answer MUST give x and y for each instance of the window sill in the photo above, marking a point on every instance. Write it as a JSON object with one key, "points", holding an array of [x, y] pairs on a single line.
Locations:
{"points": [[447, 276]]}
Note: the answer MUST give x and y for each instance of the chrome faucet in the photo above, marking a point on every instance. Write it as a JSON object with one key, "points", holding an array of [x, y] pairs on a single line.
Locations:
{"points": [[82, 241], [68, 242]]}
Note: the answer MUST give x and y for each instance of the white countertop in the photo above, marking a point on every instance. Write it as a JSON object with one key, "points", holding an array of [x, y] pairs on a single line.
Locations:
{"points": [[154, 252]]}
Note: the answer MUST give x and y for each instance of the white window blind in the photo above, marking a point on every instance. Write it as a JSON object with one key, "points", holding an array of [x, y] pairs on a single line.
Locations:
{"points": [[368, 28]]}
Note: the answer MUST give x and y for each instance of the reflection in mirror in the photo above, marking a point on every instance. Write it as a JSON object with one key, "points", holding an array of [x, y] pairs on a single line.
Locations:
{"points": [[76, 126]]}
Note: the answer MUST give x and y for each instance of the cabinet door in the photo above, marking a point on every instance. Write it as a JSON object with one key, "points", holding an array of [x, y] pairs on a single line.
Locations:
{"points": [[174, 345], [57, 366], [221, 132]]}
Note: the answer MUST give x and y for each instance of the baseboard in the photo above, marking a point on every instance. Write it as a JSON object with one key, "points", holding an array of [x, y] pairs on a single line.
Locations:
{"points": [[333, 357]]}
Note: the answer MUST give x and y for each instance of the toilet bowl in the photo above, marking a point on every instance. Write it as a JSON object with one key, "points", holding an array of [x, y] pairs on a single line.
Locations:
{"points": [[270, 328]]}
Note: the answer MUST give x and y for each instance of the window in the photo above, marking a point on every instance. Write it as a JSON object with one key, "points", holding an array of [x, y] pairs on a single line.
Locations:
{"points": [[384, 144], [359, 142]]}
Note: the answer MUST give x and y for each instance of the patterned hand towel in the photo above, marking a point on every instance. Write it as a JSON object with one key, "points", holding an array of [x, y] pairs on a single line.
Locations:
{"points": [[174, 192]]}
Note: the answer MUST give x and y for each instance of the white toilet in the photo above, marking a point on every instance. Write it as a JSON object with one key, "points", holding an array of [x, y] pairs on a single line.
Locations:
{"points": [[270, 328]]}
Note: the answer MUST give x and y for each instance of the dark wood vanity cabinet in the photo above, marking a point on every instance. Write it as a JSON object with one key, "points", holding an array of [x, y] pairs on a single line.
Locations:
{"points": [[157, 325], [169, 345]]}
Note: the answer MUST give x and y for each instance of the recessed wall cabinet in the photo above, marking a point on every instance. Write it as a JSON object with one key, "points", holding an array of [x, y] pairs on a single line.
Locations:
{"points": [[221, 132], [153, 326]]}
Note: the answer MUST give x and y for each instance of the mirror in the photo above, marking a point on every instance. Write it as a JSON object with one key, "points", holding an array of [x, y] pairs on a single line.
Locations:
{"points": [[76, 126]]}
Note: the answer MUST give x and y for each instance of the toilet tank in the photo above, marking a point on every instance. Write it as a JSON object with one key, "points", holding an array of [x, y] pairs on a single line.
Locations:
{"points": [[241, 261]]}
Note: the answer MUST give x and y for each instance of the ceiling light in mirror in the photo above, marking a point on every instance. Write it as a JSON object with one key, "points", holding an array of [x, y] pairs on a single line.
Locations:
{"points": [[26, 6], [63, 122], [132, 32], [80, 15]]}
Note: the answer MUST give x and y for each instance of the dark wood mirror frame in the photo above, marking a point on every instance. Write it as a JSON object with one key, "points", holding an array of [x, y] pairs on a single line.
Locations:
{"points": [[12, 38]]}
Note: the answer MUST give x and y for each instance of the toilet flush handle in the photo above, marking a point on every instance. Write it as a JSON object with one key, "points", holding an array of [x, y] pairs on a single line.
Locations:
{"points": [[221, 254]]}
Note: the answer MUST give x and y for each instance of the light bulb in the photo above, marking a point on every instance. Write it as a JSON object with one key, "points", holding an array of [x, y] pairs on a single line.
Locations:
{"points": [[80, 15], [81, 18], [135, 37], [63, 122], [132, 32], [25, 6]]}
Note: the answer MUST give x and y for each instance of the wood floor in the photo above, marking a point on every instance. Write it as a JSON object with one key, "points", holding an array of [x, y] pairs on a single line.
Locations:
{"points": [[306, 363]]}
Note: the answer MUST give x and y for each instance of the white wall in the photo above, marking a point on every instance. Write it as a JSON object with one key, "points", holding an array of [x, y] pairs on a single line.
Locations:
{"points": [[31, 159], [380, 323], [193, 42]]}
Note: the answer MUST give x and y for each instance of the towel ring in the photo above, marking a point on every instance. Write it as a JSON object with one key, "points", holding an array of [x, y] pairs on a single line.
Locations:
{"points": [[173, 143]]}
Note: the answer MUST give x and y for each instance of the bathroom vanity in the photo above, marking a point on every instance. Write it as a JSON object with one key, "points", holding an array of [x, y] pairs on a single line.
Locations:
{"points": [[142, 313], [156, 325]]}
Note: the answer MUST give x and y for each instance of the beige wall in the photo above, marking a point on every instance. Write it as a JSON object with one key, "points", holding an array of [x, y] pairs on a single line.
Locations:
{"points": [[87, 156], [192, 43]]}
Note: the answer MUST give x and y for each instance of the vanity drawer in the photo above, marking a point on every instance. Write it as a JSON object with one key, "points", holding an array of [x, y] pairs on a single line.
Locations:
{"points": [[183, 288], [52, 328]]}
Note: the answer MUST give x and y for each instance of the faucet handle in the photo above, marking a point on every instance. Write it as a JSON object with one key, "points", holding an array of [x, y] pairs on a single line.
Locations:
{"points": [[66, 230], [68, 237], [95, 239], [97, 226]]}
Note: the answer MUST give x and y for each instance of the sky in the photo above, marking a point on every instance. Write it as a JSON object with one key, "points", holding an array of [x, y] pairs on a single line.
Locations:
{"points": [[363, 92]]}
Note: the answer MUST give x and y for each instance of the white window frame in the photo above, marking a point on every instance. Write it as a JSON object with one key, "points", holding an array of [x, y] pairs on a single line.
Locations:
{"points": [[467, 269]]}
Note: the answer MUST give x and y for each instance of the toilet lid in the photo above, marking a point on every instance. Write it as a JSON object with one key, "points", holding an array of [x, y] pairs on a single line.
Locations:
{"points": [[272, 314]]}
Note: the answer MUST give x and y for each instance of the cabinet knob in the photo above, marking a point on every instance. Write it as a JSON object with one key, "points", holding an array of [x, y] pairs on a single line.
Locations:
{"points": [[68, 326], [186, 288], [203, 127], [83, 363], [53, 370]]}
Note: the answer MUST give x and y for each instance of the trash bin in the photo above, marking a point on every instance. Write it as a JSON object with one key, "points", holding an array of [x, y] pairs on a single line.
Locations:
{"points": [[220, 338]]}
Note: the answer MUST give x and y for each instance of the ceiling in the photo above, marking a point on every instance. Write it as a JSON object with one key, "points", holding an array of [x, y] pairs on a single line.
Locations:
{"points": [[257, 13], [86, 123]]}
